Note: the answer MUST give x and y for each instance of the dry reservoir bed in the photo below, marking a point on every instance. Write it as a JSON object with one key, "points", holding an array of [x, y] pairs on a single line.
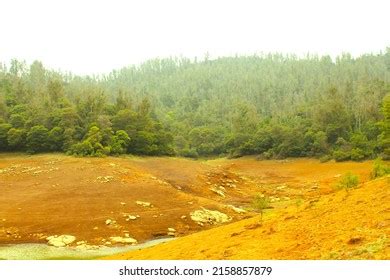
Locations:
{"points": [[103, 203]]}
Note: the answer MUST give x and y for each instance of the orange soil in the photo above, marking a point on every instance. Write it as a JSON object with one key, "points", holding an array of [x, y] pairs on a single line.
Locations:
{"points": [[52, 194], [47, 195], [337, 226]]}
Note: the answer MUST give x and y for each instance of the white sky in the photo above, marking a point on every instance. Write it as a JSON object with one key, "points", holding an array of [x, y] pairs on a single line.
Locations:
{"points": [[96, 36]]}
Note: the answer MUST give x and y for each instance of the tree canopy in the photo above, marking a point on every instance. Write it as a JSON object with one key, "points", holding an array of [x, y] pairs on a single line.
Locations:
{"points": [[274, 106]]}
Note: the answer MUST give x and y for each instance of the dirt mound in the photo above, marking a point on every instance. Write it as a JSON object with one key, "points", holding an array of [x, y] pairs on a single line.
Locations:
{"points": [[341, 225]]}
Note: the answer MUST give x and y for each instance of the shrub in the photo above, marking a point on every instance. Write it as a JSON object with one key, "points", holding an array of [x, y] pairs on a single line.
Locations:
{"points": [[84, 148], [357, 154], [325, 158], [339, 155], [16, 138], [190, 153], [379, 169], [37, 139], [260, 203], [348, 181]]}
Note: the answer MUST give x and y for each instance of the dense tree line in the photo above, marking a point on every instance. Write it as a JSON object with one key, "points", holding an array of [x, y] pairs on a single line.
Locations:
{"points": [[273, 106]]}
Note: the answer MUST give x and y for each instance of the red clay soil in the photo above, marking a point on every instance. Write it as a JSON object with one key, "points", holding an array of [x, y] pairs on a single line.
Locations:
{"points": [[341, 225], [54, 194]]}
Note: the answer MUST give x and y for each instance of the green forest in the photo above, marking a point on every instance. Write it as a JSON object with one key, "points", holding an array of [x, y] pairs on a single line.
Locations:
{"points": [[269, 105]]}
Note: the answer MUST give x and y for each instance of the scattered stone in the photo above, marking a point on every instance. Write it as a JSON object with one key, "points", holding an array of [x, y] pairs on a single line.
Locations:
{"points": [[183, 217], [190, 202], [237, 209], [112, 164], [171, 230], [209, 216], [81, 242], [95, 228], [104, 179], [123, 240], [171, 234], [131, 218], [127, 235], [155, 216], [60, 241], [123, 203], [337, 175], [219, 192], [109, 222], [143, 203], [3, 220]]}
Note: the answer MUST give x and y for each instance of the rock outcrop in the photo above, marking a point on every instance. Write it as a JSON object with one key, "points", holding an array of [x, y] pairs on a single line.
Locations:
{"points": [[206, 216], [60, 241]]}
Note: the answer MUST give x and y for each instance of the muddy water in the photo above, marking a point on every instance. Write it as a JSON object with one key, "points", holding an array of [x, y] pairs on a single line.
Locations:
{"points": [[33, 251]]}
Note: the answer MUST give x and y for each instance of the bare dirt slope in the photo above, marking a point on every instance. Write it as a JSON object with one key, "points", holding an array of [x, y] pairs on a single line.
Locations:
{"points": [[48, 195], [337, 226], [45, 195]]}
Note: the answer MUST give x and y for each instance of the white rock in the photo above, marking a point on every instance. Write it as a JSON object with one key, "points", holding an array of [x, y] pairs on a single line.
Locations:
{"points": [[237, 209], [124, 240], [171, 230], [143, 203], [131, 218], [209, 216], [217, 191], [108, 222], [60, 241]]}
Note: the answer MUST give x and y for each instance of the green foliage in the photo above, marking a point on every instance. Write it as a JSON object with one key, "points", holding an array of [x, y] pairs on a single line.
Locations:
{"points": [[348, 181], [4, 128], [119, 142], [17, 120], [84, 148], [56, 139], [260, 203], [91, 145], [339, 155], [37, 139], [272, 105], [384, 137], [16, 139], [379, 169]]}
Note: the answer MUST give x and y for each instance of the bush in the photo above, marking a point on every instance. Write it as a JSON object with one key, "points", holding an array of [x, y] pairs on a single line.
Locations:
{"points": [[4, 128], [357, 154], [82, 149], [379, 169], [16, 138], [325, 158], [37, 139], [190, 153], [348, 181], [339, 155], [260, 203]]}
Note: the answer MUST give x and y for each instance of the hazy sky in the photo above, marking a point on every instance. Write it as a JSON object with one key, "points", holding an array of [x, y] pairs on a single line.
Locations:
{"points": [[95, 36]]}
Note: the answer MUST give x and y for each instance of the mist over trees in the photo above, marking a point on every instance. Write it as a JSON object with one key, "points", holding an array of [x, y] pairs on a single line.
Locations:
{"points": [[274, 106]]}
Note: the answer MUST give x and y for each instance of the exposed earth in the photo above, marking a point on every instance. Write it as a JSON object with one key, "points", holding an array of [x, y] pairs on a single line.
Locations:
{"points": [[88, 202]]}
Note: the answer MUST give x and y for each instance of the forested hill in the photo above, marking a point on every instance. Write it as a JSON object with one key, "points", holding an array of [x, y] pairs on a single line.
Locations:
{"points": [[273, 106]]}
